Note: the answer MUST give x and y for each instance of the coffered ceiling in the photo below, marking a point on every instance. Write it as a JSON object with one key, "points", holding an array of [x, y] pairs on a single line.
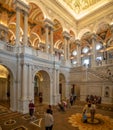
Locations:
{"points": [[81, 8]]}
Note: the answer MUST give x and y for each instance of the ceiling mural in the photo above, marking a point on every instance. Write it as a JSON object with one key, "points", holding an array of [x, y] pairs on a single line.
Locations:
{"points": [[80, 5], [81, 8]]}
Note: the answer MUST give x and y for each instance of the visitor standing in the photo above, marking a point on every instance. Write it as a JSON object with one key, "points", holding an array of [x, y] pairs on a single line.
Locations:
{"points": [[71, 100], [92, 111], [84, 116], [50, 108], [49, 120], [31, 109]]}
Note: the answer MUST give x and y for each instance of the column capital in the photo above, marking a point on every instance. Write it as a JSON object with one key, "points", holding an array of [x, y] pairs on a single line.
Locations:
{"points": [[51, 28], [77, 42], [48, 23], [22, 5], [111, 26], [66, 35], [26, 13], [93, 36]]}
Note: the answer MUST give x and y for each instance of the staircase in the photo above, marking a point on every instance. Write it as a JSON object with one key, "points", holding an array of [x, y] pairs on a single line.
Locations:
{"points": [[104, 73]]}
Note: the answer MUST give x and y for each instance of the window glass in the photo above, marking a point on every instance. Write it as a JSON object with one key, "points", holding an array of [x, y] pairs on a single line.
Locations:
{"points": [[98, 46], [74, 52], [86, 62], [85, 50]]}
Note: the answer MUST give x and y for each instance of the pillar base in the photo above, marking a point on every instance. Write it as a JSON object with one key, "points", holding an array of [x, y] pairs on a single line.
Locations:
{"points": [[23, 106], [56, 99]]}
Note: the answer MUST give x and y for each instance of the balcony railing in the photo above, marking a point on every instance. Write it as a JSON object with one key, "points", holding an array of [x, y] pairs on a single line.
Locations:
{"points": [[28, 50]]}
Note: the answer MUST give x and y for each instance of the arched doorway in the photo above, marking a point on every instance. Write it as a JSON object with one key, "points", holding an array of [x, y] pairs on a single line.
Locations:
{"points": [[42, 87], [75, 91], [5, 86], [62, 88]]}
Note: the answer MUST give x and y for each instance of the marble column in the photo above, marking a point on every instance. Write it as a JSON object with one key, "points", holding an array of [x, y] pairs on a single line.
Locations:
{"points": [[56, 95], [68, 49], [66, 38], [51, 40], [94, 52], [49, 35], [57, 75], [25, 28], [78, 52], [24, 82], [54, 81], [30, 92], [47, 38], [65, 48], [17, 26]]}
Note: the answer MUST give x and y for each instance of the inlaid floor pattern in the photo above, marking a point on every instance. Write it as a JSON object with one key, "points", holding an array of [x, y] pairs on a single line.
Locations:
{"points": [[68, 120]]}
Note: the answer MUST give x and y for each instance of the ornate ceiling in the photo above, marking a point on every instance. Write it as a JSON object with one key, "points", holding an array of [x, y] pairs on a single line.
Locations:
{"points": [[81, 8], [36, 31]]}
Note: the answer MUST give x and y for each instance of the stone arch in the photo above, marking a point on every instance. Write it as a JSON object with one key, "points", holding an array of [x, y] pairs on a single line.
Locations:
{"points": [[57, 32], [35, 40], [104, 33], [82, 32], [40, 5], [72, 41], [9, 91], [73, 32], [12, 30], [43, 85], [39, 69], [36, 30], [96, 27], [62, 86], [58, 19]]}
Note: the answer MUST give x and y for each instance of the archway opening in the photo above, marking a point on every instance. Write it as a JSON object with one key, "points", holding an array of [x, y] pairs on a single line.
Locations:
{"points": [[62, 88], [5, 86], [41, 88]]}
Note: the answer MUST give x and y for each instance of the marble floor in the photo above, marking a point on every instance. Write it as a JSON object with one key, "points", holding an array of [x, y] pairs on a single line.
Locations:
{"points": [[68, 120]]}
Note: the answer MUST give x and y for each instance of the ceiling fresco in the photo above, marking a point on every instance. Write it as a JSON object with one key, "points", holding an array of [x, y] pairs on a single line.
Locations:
{"points": [[80, 5], [81, 8]]}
